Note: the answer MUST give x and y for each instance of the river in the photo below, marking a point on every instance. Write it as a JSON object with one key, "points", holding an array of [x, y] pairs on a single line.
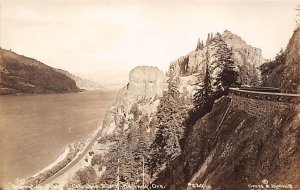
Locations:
{"points": [[34, 129]]}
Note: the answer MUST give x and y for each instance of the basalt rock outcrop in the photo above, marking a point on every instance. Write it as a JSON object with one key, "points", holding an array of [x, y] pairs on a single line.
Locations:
{"points": [[247, 58], [146, 84], [291, 68], [20, 74], [283, 71]]}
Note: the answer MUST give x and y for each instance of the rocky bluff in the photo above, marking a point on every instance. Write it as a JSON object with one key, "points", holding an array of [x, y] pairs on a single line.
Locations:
{"points": [[247, 58], [283, 71], [146, 84]]}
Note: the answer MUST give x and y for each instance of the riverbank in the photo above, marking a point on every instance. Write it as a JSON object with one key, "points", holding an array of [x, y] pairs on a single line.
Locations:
{"points": [[71, 153]]}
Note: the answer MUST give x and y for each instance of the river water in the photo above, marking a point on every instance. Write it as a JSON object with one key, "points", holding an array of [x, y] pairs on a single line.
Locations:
{"points": [[34, 129]]}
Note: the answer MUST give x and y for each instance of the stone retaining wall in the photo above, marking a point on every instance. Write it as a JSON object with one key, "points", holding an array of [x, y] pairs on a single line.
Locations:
{"points": [[261, 104]]}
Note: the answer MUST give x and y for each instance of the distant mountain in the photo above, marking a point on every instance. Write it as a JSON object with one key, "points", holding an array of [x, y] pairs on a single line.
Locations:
{"points": [[20, 74], [82, 83], [107, 76]]}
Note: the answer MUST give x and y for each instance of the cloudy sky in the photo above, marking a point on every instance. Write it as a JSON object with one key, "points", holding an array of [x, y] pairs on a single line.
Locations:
{"points": [[102, 36]]}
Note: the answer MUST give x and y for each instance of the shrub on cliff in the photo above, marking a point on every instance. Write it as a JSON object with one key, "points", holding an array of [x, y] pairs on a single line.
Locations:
{"points": [[97, 159], [86, 175], [270, 70], [135, 111]]}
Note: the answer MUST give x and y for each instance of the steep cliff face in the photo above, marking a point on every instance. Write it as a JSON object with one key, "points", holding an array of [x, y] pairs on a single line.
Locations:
{"points": [[283, 72], [146, 85], [234, 148], [247, 58], [144, 82], [20, 74], [80, 82], [291, 82]]}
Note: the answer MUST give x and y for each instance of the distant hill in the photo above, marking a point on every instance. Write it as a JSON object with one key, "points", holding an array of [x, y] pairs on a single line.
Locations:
{"points": [[20, 74], [82, 83]]}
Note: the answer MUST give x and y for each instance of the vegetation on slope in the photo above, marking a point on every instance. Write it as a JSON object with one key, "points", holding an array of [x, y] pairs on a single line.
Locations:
{"points": [[283, 71], [20, 74]]}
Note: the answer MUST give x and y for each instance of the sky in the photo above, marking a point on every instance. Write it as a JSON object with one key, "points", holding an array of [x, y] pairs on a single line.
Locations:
{"points": [[100, 38]]}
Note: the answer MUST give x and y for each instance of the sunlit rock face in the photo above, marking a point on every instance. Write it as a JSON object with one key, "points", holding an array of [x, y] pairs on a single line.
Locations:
{"points": [[242, 52], [247, 58], [144, 82], [146, 85]]}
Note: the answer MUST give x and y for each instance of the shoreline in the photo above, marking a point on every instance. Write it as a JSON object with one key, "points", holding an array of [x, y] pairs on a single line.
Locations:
{"points": [[58, 159], [62, 161]]}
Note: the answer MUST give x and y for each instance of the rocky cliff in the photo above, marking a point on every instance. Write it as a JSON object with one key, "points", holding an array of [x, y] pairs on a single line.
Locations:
{"points": [[291, 68], [81, 83], [20, 74], [283, 71], [247, 58], [146, 85]]}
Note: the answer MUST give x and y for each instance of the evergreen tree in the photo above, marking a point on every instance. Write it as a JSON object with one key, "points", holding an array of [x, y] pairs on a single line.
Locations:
{"points": [[223, 64], [268, 67], [208, 39], [254, 76], [171, 114], [204, 95], [200, 45]]}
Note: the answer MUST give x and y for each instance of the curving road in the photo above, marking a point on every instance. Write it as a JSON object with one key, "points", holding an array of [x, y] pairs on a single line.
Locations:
{"points": [[72, 163]]}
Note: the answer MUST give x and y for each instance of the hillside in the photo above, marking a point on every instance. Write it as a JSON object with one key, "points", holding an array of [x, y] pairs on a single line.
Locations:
{"points": [[231, 148], [81, 82], [20, 74]]}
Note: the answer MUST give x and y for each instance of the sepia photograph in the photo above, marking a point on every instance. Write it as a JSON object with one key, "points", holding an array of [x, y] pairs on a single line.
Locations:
{"points": [[149, 94]]}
